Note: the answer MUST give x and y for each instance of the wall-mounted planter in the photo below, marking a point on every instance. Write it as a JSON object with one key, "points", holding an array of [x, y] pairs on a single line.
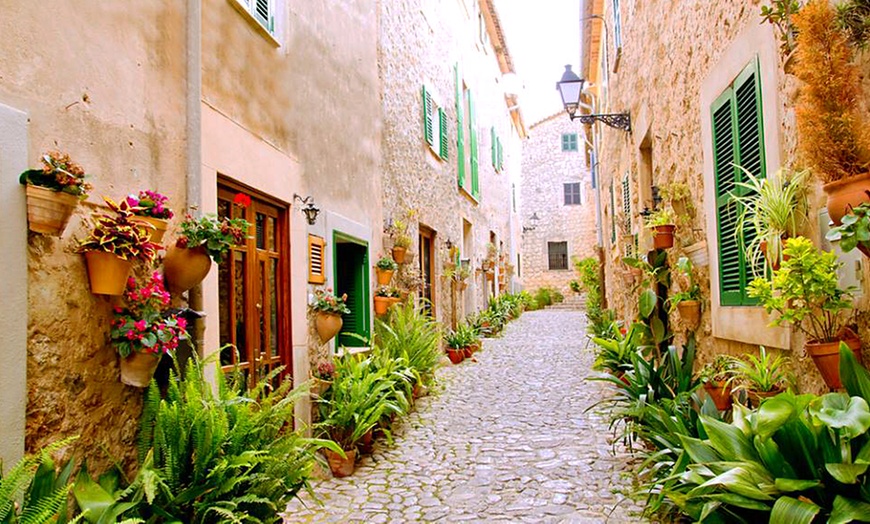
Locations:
{"points": [[159, 228], [107, 272], [328, 325], [690, 313], [663, 236], [399, 254], [138, 369], [697, 253], [184, 268], [381, 305], [385, 276], [843, 195], [48, 212]]}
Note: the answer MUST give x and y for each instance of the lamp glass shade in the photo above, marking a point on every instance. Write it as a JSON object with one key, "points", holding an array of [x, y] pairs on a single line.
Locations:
{"points": [[570, 87]]}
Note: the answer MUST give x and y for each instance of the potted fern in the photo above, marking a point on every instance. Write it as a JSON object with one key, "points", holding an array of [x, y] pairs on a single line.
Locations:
{"points": [[114, 242], [53, 192]]}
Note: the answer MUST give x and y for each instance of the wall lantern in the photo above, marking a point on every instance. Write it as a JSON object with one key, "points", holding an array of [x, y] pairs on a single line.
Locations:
{"points": [[571, 87], [309, 210], [533, 220]]}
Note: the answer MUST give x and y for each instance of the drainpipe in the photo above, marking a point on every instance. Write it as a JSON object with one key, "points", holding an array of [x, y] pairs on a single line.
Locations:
{"points": [[194, 139]]}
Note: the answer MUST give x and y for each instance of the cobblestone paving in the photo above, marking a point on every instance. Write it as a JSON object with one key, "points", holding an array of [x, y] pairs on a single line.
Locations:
{"points": [[506, 440]]}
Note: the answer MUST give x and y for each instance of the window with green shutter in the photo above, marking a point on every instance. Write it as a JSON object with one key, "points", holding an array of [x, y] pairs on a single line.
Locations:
{"points": [[460, 123], [626, 205], [443, 149], [472, 136], [612, 215], [738, 140], [428, 118], [569, 142]]}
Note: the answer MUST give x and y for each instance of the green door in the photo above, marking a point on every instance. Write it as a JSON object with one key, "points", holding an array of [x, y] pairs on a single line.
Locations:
{"points": [[352, 277]]}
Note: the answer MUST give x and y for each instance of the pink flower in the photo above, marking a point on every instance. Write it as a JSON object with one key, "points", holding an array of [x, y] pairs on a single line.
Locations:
{"points": [[182, 323], [131, 335], [141, 325]]}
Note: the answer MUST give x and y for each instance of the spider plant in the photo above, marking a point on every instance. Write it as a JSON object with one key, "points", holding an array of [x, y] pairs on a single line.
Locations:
{"points": [[773, 208]]}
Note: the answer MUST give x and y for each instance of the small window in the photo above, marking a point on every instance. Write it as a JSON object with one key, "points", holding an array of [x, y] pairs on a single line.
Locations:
{"points": [[261, 11], [572, 194], [569, 142], [434, 125], [316, 248], [557, 253]]}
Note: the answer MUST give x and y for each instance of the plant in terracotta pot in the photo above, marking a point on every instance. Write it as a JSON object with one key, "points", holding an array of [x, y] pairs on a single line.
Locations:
{"points": [[833, 138], [53, 192], [805, 293], [385, 267], [488, 263], [322, 377], [202, 240], [716, 377], [761, 377], [328, 309], [385, 296], [151, 208], [854, 230], [112, 245], [772, 209], [662, 224], [144, 330], [688, 301], [457, 341], [401, 239]]}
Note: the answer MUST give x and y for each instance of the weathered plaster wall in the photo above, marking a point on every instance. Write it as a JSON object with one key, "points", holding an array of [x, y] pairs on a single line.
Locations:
{"points": [[667, 68], [545, 169], [114, 100], [420, 42]]}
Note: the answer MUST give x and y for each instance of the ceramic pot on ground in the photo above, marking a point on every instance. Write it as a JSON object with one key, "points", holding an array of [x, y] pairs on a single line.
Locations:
{"points": [[690, 313], [399, 254], [48, 211], [138, 368], [107, 272], [843, 195], [184, 268], [367, 443], [341, 466], [755, 397], [456, 355], [467, 352], [663, 236], [826, 356], [720, 393], [328, 325], [385, 276], [157, 231]]}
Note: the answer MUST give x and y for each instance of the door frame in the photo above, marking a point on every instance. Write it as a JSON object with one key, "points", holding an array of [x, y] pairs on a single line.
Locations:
{"points": [[428, 235], [366, 309]]}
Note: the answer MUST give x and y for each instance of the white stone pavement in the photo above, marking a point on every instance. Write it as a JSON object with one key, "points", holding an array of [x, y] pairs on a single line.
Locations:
{"points": [[508, 439]]}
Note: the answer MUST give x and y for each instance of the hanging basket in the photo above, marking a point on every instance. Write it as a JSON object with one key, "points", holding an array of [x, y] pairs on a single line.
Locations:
{"points": [[184, 268], [846, 194], [328, 325], [157, 231], [138, 369], [107, 272], [48, 211]]}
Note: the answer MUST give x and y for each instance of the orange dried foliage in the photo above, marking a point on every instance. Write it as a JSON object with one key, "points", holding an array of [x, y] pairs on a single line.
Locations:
{"points": [[832, 138]]}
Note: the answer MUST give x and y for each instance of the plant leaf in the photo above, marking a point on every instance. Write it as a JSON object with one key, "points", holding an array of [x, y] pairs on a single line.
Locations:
{"points": [[788, 510]]}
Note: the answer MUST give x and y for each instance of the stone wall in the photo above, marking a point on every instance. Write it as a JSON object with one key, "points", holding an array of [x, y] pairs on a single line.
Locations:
{"points": [[420, 43], [664, 71], [545, 169], [112, 98]]}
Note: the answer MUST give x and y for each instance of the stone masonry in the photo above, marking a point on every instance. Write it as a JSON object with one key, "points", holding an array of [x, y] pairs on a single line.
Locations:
{"points": [[546, 168], [512, 437]]}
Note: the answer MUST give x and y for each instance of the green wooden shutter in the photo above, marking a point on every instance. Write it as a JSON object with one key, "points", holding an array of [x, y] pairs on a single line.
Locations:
{"points": [[428, 125], [493, 148], [460, 135], [626, 205], [612, 215], [443, 149], [500, 155], [472, 131]]}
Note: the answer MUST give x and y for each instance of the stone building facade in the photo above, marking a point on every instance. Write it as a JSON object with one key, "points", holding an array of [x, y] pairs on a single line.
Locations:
{"points": [[199, 100], [557, 204], [441, 63], [668, 70]]}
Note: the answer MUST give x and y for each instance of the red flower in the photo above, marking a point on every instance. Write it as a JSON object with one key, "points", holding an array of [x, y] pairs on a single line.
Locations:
{"points": [[242, 200]]}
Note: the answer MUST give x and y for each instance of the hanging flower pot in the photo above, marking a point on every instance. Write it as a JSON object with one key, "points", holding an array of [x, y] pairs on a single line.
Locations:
{"points": [[381, 305], [158, 227], [48, 211], [720, 392], [185, 268], [328, 325], [690, 313], [138, 368], [385, 276], [826, 357], [341, 466], [399, 254], [845, 194], [107, 272], [663, 236]]}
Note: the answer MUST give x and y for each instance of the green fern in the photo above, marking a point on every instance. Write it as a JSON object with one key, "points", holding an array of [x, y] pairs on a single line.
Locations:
{"points": [[33, 478]]}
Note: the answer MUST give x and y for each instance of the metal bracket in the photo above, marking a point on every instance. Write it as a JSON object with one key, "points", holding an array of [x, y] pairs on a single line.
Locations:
{"points": [[615, 120]]}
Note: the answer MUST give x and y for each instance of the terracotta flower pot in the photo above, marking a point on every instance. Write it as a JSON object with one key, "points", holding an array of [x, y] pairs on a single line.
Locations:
{"points": [[467, 352], [385, 276], [456, 355], [720, 393], [159, 228], [381, 305], [663, 236], [328, 325], [48, 211], [755, 397], [107, 272], [184, 268], [138, 369], [690, 313], [399, 254], [843, 195], [864, 249], [341, 466], [366, 444], [826, 356]]}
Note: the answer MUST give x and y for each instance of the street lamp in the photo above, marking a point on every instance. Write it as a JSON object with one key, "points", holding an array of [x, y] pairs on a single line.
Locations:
{"points": [[533, 220], [310, 210], [571, 87]]}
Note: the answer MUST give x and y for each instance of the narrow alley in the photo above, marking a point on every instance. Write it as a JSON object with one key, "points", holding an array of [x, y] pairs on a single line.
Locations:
{"points": [[508, 439]]}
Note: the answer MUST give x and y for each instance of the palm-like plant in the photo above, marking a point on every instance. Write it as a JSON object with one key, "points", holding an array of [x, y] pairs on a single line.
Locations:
{"points": [[411, 334], [765, 373], [44, 491]]}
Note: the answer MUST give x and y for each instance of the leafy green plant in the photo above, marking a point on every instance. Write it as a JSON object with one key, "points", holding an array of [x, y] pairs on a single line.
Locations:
{"points": [[805, 292], [215, 234], [854, 230], [411, 334], [691, 291], [662, 217], [120, 234], [720, 369], [765, 373], [775, 207], [386, 264], [58, 173], [779, 14], [328, 302], [614, 353], [32, 492]]}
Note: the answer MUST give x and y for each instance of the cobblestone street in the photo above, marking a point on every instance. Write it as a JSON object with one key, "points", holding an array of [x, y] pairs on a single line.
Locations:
{"points": [[506, 440]]}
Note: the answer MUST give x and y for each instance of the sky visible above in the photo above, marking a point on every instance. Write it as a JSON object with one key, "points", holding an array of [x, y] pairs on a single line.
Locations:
{"points": [[542, 36]]}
